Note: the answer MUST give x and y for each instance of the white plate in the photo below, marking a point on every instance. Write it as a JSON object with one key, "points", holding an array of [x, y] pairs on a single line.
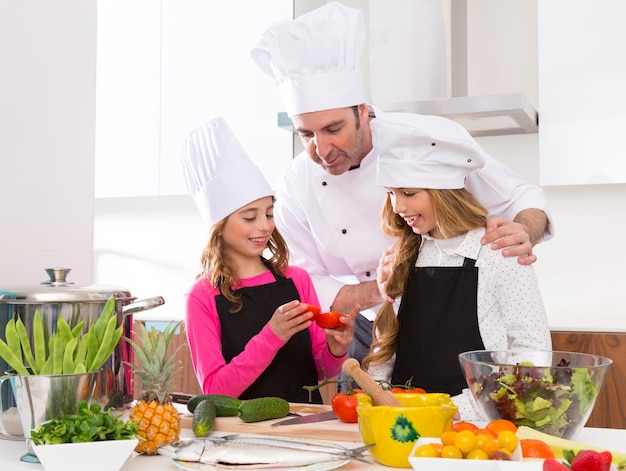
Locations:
{"points": [[323, 466], [194, 466]]}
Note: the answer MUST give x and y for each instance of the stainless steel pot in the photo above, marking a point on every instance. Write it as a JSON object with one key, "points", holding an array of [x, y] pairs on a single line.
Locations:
{"points": [[59, 297]]}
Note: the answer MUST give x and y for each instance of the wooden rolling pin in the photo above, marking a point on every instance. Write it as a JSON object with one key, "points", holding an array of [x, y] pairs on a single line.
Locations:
{"points": [[380, 396]]}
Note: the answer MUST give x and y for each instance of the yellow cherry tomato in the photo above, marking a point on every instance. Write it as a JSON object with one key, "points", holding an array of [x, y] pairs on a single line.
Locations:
{"points": [[447, 438], [477, 455], [426, 451], [438, 448], [507, 440], [451, 451], [466, 441], [489, 446]]}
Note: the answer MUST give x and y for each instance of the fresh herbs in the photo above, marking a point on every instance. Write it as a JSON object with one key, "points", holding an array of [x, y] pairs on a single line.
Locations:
{"points": [[543, 398], [89, 424]]}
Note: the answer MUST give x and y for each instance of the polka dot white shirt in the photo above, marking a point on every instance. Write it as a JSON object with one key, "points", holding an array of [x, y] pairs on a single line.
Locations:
{"points": [[511, 314]]}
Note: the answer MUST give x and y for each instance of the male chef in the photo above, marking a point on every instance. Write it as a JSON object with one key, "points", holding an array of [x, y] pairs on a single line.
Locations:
{"points": [[327, 202]]}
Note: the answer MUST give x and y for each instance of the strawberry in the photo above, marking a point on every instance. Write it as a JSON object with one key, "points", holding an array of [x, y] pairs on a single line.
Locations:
{"points": [[550, 464], [588, 460], [607, 459]]}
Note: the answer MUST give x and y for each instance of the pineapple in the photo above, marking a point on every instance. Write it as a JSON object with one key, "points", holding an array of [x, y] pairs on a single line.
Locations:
{"points": [[157, 419]]}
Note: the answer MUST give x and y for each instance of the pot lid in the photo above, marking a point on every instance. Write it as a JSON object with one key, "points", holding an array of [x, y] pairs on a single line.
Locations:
{"points": [[59, 290]]}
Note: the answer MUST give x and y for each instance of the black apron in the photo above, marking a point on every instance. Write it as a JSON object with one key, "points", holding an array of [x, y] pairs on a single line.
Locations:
{"points": [[438, 320], [293, 366]]}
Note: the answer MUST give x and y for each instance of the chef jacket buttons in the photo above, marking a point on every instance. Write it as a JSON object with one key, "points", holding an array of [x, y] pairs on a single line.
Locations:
{"points": [[324, 183], [367, 274], [344, 231]]}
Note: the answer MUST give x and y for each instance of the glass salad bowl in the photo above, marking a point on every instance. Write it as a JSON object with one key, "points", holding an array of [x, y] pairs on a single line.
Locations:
{"points": [[550, 391]]}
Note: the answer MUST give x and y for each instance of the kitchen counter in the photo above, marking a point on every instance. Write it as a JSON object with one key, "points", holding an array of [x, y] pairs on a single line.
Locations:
{"points": [[587, 323], [10, 452]]}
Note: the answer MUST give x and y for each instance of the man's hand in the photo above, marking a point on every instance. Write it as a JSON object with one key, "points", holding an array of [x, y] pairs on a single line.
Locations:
{"points": [[383, 270], [364, 294], [517, 239]]}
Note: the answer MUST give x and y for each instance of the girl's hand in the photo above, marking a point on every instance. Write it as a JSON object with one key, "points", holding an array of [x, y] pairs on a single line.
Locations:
{"points": [[289, 319], [339, 339]]}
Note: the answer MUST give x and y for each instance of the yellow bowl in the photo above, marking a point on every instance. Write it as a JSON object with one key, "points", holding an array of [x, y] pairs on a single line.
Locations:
{"points": [[395, 429]]}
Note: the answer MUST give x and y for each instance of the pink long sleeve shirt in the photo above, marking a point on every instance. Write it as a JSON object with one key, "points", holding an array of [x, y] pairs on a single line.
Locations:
{"points": [[204, 335]]}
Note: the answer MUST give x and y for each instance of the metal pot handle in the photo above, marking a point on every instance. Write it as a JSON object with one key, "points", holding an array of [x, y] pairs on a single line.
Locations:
{"points": [[142, 305]]}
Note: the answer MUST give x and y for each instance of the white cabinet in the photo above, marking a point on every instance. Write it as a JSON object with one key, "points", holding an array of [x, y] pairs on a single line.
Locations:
{"points": [[47, 139], [582, 92], [166, 68]]}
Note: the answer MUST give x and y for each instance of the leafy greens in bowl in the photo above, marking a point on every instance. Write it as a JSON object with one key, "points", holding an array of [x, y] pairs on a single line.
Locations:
{"points": [[89, 424], [550, 391], [90, 439]]}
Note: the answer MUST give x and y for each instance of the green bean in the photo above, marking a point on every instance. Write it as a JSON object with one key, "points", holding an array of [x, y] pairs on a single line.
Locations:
{"points": [[80, 368], [68, 356], [63, 328], [10, 333], [47, 368], [77, 328], [25, 341], [81, 352], [92, 348], [100, 325], [13, 361], [107, 338], [57, 354], [39, 341]]}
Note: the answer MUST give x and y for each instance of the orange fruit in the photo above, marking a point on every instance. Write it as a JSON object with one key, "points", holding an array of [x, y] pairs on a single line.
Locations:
{"points": [[458, 426], [500, 425], [533, 448]]}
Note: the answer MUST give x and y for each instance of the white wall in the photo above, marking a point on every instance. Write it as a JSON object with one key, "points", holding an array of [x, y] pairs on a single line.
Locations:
{"points": [[47, 139]]}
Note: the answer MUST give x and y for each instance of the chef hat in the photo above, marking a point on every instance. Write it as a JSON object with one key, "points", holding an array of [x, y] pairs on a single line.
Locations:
{"points": [[315, 59], [418, 151], [218, 172]]}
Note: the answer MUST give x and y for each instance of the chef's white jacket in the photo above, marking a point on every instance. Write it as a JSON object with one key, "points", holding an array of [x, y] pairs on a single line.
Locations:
{"points": [[332, 222]]}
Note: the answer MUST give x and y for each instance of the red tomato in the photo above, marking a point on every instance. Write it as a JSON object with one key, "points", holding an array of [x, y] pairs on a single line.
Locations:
{"points": [[462, 425], [315, 310], [329, 320], [344, 406], [408, 390]]}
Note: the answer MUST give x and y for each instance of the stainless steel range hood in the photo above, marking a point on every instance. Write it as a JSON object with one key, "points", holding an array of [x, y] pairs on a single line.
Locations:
{"points": [[485, 115]]}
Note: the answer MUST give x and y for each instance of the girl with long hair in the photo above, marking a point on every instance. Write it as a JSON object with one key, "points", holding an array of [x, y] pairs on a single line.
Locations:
{"points": [[249, 330], [446, 293]]}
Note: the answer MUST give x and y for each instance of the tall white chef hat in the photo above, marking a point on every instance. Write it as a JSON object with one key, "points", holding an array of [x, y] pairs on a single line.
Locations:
{"points": [[219, 174], [315, 58], [418, 151]]}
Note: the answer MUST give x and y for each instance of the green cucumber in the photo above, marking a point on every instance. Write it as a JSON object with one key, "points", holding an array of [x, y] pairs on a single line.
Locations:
{"points": [[203, 418], [263, 408], [225, 406]]}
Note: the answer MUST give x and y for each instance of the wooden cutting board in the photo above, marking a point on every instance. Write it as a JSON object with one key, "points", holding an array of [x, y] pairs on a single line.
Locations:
{"points": [[327, 430]]}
